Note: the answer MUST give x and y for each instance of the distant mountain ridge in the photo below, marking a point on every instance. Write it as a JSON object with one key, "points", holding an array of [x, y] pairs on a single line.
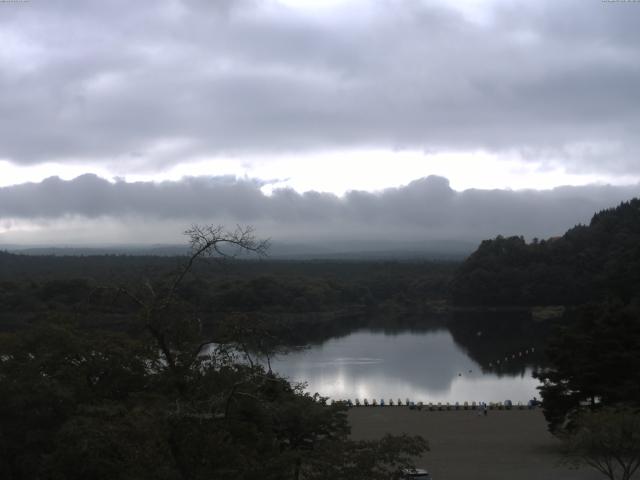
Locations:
{"points": [[588, 263], [136, 250], [445, 250]]}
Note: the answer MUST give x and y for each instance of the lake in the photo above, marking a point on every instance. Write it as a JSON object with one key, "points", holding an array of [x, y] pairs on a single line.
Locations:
{"points": [[427, 366]]}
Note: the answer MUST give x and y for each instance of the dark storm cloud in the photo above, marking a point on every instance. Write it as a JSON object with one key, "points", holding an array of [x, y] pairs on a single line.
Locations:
{"points": [[426, 209], [147, 84]]}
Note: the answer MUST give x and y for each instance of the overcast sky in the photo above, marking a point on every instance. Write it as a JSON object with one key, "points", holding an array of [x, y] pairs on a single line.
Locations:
{"points": [[407, 119]]}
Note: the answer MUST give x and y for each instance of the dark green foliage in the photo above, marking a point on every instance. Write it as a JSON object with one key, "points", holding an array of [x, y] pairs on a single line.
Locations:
{"points": [[77, 404], [49, 373], [268, 293], [31, 287], [607, 440], [595, 361], [585, 264], [70, 291]]}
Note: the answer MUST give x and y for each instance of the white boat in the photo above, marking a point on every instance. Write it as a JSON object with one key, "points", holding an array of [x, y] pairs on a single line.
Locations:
{"points": [[416, 474]]}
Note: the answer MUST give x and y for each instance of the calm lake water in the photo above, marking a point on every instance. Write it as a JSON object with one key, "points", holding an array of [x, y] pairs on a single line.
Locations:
{"points": [[426, 366]]}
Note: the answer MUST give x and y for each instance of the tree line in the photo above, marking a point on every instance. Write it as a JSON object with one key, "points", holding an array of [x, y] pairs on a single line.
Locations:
{"points": [[587, 263], [163, 400]]}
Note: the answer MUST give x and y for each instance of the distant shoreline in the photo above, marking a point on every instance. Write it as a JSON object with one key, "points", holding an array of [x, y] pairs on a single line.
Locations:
{"points": [[539, 312]]}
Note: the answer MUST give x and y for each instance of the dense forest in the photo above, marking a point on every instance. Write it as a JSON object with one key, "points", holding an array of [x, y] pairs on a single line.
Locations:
{"points": [[594, 270], [588, 263], [313, 293]]}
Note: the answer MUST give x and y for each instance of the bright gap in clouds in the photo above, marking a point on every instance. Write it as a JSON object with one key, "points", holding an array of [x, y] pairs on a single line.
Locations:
{"points": [[340, 171], [375, 170]]}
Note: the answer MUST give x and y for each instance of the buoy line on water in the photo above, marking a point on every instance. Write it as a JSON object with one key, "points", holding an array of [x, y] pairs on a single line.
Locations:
{"points": [[513, 356]]}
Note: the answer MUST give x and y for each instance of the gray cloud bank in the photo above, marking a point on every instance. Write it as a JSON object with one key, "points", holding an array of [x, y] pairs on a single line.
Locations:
{"points": [[147, 84], [422, 211]]}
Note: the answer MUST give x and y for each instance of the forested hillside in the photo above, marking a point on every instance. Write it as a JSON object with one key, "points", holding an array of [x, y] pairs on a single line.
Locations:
{"points": [[588, 263], [34, 287], [593, 358]]}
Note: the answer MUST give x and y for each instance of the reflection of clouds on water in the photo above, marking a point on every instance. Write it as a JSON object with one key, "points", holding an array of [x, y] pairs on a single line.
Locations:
{"points": [[345, 361], [425, 366]]}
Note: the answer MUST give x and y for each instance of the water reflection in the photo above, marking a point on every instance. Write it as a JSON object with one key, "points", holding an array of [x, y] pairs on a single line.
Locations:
{"points": [[426, 366], [503, 342]]}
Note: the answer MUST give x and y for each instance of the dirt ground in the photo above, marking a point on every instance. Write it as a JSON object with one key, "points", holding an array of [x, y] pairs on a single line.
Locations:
{"points": [[509, 445]]}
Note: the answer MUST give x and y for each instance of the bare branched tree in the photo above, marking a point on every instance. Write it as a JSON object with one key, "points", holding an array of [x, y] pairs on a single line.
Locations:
{"points": [[210, 240], [155, 301]]}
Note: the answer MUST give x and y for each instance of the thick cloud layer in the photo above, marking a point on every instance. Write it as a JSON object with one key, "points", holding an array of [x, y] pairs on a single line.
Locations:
{"points": [[148, 84], [425, 210]]}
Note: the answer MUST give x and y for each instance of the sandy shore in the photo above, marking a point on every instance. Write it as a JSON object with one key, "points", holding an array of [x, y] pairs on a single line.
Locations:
{"points": [[509, 445]]}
